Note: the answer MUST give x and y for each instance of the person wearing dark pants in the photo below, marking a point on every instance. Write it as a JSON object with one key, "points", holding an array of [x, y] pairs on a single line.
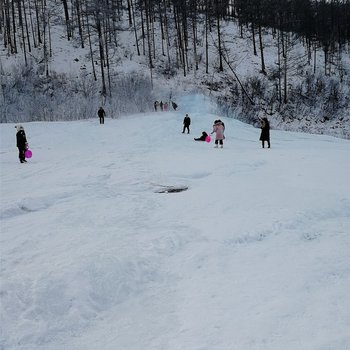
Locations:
{"points": [[101, 114], [265, 132], [202, 138], [186, 123], [21, 143]]}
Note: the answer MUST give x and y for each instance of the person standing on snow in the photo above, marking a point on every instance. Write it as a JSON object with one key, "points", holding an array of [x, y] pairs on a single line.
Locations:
{"points": [[22, 143], [219, 129], [265, 132], [101, 114], [156, 104], [186, 123]]}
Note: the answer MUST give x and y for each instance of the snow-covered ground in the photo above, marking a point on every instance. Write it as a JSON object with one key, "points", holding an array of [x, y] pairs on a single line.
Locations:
{"points": [[254, 255]]}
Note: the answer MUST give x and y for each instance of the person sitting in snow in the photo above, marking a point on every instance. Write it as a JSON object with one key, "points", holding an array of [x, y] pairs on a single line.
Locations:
{"points": [[219, 129], [202, 138], [22, 143]]}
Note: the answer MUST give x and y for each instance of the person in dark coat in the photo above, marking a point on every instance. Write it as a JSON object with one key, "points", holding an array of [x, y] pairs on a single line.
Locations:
{"points": [[101, 114], [156, 104], [186, 123], [265, 132], [174, 105], [22, 143], [202, 138], [161, 105]]}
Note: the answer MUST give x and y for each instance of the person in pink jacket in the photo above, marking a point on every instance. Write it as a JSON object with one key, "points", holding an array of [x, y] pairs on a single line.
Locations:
{"points": [[219, 129]]}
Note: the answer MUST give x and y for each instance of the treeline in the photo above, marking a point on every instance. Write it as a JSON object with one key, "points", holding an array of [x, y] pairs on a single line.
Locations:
{"points": [[26, 24], [320, 23], [324, 21], [31, 96], [180, 36]]}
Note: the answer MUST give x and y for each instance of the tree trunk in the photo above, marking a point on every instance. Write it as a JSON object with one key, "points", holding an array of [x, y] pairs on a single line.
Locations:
{"points": [[253, 38], [90, 47], [206, 39], [263, 70], [26, 25], [32, 24], [102, 59], [80, 28], [66, 15], [14, 29], [221, 68], [135, 27], [20, 19]]}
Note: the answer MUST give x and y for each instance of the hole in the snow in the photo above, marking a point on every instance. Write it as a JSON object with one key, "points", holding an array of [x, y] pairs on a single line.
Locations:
{"points": [[173, 189]]}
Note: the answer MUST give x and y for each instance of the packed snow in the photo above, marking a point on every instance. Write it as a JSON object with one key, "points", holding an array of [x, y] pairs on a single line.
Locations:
{"points": [[253, 255]]}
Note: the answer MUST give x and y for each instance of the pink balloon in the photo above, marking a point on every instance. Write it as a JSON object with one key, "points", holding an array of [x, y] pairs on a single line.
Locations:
{"points": [[28, 153], [208, 139]]}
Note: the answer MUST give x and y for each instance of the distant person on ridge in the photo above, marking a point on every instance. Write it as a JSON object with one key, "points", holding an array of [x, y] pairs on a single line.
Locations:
{"points": [[165, 107], [202, 138], [219, 129], [101, 114], [22, 143], [161, 105], [265, 132], [156, 103], [174, 105], [186, 123]]}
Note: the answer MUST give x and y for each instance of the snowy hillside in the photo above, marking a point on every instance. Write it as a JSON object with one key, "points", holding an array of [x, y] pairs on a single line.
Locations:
{"points": [[253, 255], [65, 81]]}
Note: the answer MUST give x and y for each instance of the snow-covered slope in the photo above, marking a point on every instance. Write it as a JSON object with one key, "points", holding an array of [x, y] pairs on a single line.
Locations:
{"points": [[254, 255]]}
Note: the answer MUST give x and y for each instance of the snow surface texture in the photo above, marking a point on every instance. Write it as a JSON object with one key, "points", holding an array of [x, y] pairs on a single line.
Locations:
{"points": [[253, 255]]}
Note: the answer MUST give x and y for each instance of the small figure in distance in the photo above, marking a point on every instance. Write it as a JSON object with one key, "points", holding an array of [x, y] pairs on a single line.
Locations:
{"points": [[165, 107], [203, 137], [156, 104], [22, 143], [265, 132], [186, 123], [101, 114], [161, 105], [174, 105]]}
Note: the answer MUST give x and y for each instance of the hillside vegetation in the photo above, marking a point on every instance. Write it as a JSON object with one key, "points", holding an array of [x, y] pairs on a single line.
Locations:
{"points": [[287, 59]]}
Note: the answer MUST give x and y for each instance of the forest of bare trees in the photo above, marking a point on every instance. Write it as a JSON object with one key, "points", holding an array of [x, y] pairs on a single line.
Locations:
{"points": [[26, 24], [177, 30]]}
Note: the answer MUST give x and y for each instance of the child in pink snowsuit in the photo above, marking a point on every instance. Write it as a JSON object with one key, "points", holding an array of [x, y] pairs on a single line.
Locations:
{"points": [[219, 129]]}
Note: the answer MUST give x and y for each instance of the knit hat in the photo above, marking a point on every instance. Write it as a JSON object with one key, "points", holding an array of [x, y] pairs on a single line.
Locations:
{"points": [[19, 127]]}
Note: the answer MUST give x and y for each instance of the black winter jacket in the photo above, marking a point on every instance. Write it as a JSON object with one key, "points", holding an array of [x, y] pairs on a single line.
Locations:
{"points": [[21, 139], [187, 121]]}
